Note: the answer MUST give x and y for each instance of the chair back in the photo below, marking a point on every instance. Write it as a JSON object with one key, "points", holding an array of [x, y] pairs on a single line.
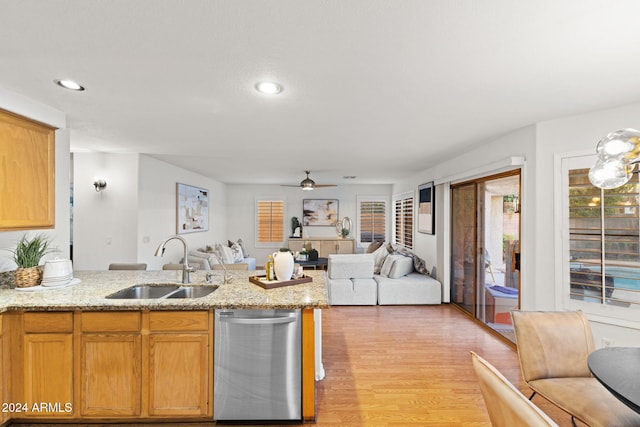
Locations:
{"points": [[552, 344], [507, 407], [127, 266]]}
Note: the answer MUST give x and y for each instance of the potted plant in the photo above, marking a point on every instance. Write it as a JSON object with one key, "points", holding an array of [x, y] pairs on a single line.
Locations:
{"points": [[27, 256]]}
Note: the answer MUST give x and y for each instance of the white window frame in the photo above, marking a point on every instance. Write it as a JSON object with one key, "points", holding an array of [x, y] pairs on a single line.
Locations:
{"points": [[605, 313]]}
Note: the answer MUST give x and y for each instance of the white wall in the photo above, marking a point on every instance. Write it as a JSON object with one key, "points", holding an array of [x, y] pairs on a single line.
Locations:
{"points": [[157, 211], [241, 210], [60, 233], [128, 220], [104, 223]]}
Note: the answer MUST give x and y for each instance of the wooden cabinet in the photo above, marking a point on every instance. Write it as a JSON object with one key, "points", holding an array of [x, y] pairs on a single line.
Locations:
{"points": [[146, 364], [4, 370], [47, 348], [27, 158], [324, 246], [110, 364], [180, 375]]}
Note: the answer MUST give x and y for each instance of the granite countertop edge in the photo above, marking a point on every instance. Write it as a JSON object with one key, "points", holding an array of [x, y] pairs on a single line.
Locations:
{"points": [[94, 286]]}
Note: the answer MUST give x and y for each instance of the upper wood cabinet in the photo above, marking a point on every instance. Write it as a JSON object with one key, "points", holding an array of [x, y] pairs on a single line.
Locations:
{"points": [[27, 165]]}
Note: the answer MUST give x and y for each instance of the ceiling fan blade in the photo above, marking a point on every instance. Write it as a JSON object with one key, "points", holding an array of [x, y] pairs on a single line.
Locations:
{"points": [[325, 185]]}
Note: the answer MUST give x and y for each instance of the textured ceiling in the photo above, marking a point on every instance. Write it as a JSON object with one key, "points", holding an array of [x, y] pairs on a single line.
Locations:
{"points": [[372, 88]]}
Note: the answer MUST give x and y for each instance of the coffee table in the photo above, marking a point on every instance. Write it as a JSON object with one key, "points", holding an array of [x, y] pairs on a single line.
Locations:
{"points": [[319, 263]]}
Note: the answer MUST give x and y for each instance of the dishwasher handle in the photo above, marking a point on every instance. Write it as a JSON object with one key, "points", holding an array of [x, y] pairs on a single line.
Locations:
{"points": [[257, 320]]}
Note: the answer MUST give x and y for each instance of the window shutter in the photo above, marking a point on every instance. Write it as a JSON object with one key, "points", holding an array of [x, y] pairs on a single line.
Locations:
{"points": [[372, 221], [270, 220], [404, 222], [604, 244]]}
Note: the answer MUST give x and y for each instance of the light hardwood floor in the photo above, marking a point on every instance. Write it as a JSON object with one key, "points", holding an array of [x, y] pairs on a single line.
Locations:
{"points": [[408, 366]]}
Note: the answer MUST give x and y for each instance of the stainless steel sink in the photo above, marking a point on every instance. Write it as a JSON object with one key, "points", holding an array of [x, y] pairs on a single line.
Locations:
{"points": [[192, 291], [146, 291], [162, 290]]}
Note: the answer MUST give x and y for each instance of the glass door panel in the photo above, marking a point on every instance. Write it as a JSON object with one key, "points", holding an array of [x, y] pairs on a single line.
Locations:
{"points": [[463, 246]]}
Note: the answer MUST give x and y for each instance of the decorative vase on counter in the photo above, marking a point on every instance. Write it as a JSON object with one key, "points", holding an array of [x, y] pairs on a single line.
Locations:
{"points": [[283, 265]]}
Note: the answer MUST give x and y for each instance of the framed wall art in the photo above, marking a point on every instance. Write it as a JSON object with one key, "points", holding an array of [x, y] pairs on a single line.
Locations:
{"points": [[426, 208], [192, 205], [319, 212]]}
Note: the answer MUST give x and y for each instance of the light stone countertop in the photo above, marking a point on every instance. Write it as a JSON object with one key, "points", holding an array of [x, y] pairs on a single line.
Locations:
{"points": [[94, 286]]}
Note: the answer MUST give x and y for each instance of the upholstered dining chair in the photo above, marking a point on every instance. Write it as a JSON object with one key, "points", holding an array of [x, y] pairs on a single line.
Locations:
{"points": [[127, 266], [553, 347], [507, 407]]}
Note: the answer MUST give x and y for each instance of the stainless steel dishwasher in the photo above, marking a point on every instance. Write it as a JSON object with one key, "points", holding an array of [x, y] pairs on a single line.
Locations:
{"points": [[257, 365]]}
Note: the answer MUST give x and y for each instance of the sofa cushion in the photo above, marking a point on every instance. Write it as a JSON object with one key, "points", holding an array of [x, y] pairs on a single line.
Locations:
{"points": [[396, 266], [414, 288], [379, 255], [401, 266], [350, 266]]}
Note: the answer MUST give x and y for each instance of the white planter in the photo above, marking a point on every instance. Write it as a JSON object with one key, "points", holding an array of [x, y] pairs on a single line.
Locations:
{"points": [[283, 265]]}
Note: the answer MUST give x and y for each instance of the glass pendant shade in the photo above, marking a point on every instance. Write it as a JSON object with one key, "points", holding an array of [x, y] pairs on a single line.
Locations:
{"points": [[610, 173], [619, 144]]}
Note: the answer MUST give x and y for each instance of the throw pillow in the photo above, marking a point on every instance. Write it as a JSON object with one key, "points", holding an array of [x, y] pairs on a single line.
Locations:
{"points": [[379, 255], [373, 246], [236, 251], [387, 264], [244, 250], [225, 254], [401, 266]]}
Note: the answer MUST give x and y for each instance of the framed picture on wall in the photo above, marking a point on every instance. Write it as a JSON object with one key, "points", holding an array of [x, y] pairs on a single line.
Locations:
{"points": [[192, 209], [319, 212], [426, 208]]}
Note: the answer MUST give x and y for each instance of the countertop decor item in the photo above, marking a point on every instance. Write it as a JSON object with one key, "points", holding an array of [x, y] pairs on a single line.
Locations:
{"points": [[283, 264], [270, 284], [27, 256]]}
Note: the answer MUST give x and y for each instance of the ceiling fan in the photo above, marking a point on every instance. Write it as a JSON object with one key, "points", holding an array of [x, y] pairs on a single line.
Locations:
{"points": [[309, 184]]}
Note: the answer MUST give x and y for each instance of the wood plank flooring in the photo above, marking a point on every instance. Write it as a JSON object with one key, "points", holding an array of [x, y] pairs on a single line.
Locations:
{"points": [[407, 366]]}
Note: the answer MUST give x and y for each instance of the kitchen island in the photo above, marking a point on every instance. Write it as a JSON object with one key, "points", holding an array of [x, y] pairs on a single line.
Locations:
{"points": [[71, 354]]}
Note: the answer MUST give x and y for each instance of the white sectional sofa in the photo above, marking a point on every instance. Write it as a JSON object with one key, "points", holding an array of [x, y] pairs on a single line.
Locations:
{"points": [[230, 254], [351, 281]]}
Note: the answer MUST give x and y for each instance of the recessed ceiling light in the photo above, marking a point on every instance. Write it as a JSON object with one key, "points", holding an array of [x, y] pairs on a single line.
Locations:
{"points": [[349, 177], [269, 88], [69, 84]]}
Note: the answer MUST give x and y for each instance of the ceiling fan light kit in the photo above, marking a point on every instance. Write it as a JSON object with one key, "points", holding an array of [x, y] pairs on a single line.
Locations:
{"points": [[308, 184]]}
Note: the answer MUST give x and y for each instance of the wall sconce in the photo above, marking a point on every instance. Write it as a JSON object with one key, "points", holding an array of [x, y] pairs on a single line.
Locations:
{"points": [[618, 154], [99, 184]]}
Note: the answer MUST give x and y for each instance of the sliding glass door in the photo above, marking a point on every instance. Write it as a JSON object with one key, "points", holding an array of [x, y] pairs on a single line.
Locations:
{"points": [[485, 237]]}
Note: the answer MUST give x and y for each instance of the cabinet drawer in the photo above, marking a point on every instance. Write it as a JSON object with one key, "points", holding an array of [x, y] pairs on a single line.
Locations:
{"points": [[116, 321], [48, 322], [179, 321]]}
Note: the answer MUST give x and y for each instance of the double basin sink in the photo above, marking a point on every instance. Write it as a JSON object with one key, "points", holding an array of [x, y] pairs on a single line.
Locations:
{"points": [[162, 291]]}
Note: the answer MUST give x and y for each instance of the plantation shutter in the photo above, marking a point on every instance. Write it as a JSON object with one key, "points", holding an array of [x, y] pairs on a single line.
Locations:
{"points": [[372, 221], [404, 221], [270, 221], [604, 246]]}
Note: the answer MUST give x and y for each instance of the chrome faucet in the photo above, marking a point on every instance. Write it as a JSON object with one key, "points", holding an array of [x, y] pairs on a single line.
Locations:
{"points": [[227, 277], [185, 263]]}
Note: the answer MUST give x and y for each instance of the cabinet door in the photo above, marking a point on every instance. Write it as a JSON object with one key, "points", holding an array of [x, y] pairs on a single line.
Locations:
{"points": [[48, 374], [179, 367], [4, 369], [110, 374], [344, 246]]}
